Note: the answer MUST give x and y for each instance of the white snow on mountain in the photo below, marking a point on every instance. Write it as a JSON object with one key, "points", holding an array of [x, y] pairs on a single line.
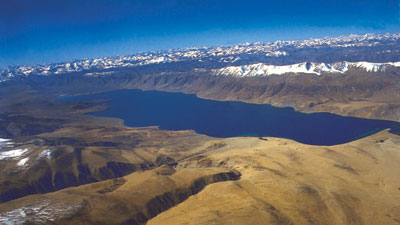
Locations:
{"points": [[5, 142], [370, 67], [276, 53], [43, 212], [13, 153], [45, 154], [223, 54], [22, 162], [261, 69]]}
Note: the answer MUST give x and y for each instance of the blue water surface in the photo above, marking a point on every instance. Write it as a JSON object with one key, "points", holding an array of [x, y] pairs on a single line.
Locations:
{"points": [[177, 111]]}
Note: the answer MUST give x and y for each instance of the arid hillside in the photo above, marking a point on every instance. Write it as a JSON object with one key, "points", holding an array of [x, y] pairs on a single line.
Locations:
{"points": [[243, 181]]}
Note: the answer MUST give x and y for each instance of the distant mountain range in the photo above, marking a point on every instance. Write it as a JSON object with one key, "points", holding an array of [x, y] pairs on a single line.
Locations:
{"points": [[325, 54]]}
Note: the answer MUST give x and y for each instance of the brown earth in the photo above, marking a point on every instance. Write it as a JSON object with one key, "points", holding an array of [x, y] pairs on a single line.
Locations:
{"points": [[284, 182], [281, 182]]}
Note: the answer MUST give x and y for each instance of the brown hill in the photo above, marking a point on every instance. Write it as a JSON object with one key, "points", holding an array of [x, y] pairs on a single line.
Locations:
{"points": [[284, 182], [281, 182]]}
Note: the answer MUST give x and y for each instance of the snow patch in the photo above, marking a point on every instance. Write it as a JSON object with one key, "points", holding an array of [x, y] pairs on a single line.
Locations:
{"points": [[4, 140], [13, 153], [277, 53], [38, 213], [22, 162], [369, 67], [5, 143], [395, 64], [45, 154]]}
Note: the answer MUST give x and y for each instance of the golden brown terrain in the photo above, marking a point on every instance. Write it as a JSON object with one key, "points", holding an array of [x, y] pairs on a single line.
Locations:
{"points": [[281, 182], [284, 182], [365, 109]]}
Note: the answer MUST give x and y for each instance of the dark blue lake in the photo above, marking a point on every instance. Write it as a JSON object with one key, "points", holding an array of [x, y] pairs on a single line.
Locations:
{"points": [[177, 111]]}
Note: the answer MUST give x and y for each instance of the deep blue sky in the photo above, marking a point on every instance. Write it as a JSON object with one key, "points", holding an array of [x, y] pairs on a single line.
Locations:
{"points": [[42, 31]]}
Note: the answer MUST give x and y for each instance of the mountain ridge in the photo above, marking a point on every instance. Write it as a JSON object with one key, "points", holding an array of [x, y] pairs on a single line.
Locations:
{"points": [[276, 53], [261, 69]]}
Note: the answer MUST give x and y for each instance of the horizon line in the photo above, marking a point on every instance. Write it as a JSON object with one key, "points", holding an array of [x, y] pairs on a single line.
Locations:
{"points": [[191, 47]]}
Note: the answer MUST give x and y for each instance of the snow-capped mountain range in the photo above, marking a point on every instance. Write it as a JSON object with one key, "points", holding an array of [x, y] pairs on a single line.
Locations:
{"points": [[261, 69], [249, 59]]}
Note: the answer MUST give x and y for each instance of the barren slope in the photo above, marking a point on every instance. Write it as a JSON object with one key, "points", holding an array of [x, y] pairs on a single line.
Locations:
{"points": [[281, 182], [284, 182]]}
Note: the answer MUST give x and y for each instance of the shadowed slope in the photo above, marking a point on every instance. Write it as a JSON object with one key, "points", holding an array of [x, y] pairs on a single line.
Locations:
{"points": [[132, 199]]}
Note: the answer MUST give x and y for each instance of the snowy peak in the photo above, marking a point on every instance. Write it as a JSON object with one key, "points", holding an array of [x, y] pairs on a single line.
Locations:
{"points": [[375, 67], [266, 70], [366, 66], [261, 69], [256, 58]]}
